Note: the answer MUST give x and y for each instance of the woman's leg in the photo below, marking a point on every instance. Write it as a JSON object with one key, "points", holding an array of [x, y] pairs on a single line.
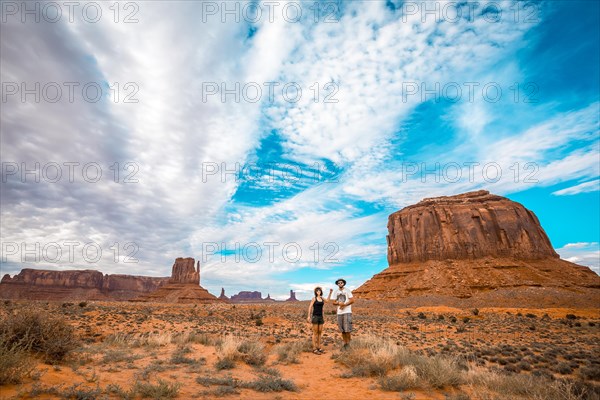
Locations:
{"points": [[315, 328], [319, 333]]}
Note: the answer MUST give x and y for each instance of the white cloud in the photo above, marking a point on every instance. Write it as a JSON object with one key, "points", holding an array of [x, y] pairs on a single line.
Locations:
{"points": [[585, 187], [171, 131], [582, 253]]}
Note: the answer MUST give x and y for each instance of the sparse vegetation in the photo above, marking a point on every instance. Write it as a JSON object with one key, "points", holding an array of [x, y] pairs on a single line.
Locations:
{"points": [[289, 353], [39, 332], [491, 357], [15, 362], [161, 390]]}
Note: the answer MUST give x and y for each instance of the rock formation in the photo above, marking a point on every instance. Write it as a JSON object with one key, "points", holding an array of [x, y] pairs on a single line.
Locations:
{"points": [[183, 271], [251, 297], [268, 298], [39, 284], [222, 296], [476, 246], [182, 287], [292, 296], [467, 226], [246, 297]]}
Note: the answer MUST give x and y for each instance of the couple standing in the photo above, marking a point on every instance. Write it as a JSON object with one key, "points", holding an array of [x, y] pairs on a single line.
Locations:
{"points": [[343, 301]]}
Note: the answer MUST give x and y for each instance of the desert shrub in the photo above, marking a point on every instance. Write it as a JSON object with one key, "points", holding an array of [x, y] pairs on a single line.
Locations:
{"points": [[252, 352], [264, 383], [532, 386], [79, 392], [371, 356], [289, 353], [225, 363], [590, 372], [221, 391], [228, 347], [563, 368], [202, 338], [121, 339], [160, 390], [217, 380], [405, 379], [524, 365], [82, 304], [118, 391], [179, 356], [439, 371], [232, 348], [269, 383], [157, 339], [15, 363], [39, 332], [475, 311], [116, 356], [571, 316]]}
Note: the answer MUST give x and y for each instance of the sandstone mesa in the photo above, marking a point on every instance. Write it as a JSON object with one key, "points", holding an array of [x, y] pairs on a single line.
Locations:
{"points": [[476, 246]]}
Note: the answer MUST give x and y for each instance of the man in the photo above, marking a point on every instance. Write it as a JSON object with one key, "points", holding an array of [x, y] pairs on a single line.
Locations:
{"points": [[343, 299]]}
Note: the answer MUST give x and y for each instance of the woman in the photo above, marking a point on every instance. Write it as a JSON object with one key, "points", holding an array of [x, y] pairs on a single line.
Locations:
{"points": [[315, 316]]}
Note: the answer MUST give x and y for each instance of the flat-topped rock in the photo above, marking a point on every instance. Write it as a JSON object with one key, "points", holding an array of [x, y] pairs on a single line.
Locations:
{"points": [[466, 226], [183, 286], [476, 246], [185, 271], [40, 284]]}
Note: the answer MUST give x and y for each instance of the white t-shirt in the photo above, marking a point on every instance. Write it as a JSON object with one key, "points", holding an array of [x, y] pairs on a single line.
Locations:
{"points": [[342, 296]]}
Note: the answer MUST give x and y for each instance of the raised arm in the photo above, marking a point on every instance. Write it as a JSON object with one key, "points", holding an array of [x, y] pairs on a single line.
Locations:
{"points": [[329, 297]]}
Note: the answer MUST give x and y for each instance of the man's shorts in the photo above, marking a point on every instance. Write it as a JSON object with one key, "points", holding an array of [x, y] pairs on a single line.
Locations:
{"points": [[345, 322], [318, 319]]}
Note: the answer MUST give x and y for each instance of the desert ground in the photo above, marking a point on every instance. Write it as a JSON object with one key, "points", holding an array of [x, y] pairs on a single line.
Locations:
{"points": [[120, 350]]}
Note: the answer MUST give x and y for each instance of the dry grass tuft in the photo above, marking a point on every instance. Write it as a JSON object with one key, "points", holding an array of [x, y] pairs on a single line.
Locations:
{"points": [[232, 348], [15, 363], [39, 332]]}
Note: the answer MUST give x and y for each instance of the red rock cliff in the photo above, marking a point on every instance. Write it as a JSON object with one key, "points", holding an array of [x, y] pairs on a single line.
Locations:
{"points": [[36, 284], [467, 226], [481, 247], [183, 286], [184, 271]]}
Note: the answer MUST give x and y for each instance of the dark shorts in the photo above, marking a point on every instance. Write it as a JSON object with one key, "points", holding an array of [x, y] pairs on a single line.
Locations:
{"points": [[318, 319], [345, 322]]}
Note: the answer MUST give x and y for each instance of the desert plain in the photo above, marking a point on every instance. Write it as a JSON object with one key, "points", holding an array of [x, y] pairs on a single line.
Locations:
{"points": [[124, 350]]}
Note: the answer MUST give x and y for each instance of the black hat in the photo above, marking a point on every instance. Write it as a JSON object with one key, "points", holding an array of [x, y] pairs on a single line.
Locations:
{"points": [[341, 279]]}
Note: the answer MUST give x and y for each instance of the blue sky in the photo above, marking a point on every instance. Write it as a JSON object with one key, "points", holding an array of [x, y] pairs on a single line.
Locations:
{"points": [[396, 105]]}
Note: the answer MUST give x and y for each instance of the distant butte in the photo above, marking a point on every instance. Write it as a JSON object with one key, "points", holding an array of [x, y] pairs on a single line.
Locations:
{"points": [[182, 287], [41, 284], [479, 249]]}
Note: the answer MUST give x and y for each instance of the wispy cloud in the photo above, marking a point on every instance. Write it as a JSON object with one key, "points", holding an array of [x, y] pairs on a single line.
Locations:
{"points": [[368, 138], [585, 187]]}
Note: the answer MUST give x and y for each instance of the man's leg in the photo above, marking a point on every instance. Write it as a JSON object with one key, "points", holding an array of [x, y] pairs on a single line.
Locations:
{"points": [[348, 329]]}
